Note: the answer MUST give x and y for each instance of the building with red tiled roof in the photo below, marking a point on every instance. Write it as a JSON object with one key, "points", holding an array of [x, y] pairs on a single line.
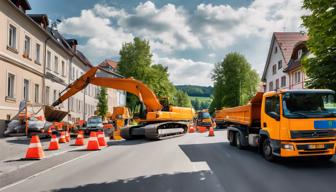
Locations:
{"points": [[277, 73], [109, 64]]}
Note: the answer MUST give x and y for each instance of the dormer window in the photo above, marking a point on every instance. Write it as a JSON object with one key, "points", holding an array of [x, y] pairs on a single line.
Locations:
{"points": [[299, 54]]}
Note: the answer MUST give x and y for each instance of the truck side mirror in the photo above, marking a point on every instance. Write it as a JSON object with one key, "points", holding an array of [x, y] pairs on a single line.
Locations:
{"points": [[274, 115]]}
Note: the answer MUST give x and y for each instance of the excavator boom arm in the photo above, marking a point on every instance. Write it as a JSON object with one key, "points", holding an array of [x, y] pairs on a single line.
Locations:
{"points": [[133, 86]]}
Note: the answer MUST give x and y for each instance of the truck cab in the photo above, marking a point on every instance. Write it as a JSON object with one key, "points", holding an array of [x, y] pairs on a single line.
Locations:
{"points": [[299, 123], [286, 123], [204, 119]]}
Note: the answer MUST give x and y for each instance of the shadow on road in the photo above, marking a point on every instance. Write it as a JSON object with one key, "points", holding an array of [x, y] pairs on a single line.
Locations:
{"points": [[246, 170], [127, 142], [195, 181]]}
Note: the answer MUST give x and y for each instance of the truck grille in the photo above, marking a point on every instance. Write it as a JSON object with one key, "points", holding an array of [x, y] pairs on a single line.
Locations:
{"points": [[313, 134]]}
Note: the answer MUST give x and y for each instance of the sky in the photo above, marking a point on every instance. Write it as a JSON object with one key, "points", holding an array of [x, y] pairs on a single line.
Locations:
{"points": [[188, 37]]}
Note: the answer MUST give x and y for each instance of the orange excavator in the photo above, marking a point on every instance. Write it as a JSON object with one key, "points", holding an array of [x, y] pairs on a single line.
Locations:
{"points": [[156, 121]]}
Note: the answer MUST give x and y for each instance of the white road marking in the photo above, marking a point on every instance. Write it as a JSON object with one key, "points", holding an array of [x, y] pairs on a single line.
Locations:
{"points": [[44, 171]]}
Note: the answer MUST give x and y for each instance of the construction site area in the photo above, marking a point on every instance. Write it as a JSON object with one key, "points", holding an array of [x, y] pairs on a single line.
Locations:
{"points": [[172, 96]]}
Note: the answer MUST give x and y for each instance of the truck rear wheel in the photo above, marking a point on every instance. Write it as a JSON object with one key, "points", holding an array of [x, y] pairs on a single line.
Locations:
{"points": [[232, 138], [238, 141], [267, 150]]}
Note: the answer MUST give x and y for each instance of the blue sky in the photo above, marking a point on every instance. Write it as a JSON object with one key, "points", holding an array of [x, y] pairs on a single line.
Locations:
{"points": [[187, 36]]}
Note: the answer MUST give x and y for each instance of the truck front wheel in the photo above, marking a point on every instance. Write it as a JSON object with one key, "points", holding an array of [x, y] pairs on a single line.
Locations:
{"points": [[267, 150], [238, 141]]}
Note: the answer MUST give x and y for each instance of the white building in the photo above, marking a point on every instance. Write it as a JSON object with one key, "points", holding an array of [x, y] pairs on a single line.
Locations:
{"points": [[37, 63], [277, 72]]}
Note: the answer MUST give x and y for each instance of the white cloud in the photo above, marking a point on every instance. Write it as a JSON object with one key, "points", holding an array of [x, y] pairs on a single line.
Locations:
{"points": [[221, 26], [103, 40], [186, 71], [166, 27], [174, 32]]}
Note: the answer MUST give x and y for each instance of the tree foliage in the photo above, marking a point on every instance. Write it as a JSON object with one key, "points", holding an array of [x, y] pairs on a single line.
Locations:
{"points": [[321, 24], [235, 82], [136, 61], [182, 99], [196, 91], [102, 107]]}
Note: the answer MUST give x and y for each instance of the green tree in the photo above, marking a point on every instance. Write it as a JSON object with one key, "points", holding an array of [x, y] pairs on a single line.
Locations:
{"points": [[182, 99], [235, 82], [102, 107], [136, 62], [321, 24]]}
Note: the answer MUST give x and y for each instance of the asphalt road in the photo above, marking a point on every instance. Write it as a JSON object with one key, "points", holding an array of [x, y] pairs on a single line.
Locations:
{"points": [[193, 162]]}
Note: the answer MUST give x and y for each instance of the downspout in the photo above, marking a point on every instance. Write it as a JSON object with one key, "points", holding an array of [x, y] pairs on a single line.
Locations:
{"points": [[44, 71], [69, 75]]}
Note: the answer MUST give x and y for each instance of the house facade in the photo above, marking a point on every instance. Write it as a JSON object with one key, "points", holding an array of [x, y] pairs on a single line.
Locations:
{"points": [[37, 63], [277, 72]]}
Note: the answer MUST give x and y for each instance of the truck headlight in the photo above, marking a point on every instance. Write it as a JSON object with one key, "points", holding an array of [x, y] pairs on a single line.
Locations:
{"points": [[288, 146]]}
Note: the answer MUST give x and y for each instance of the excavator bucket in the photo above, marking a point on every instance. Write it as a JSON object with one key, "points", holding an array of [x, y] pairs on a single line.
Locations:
{"points": [[52, 114]]}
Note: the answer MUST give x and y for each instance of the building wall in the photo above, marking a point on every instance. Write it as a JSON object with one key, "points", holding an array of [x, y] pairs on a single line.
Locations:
{"points": [[297, 83], [270, 77], [14, 62]]}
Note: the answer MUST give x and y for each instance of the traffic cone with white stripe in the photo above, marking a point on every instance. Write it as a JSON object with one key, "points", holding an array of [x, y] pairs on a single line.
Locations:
{"points": [[191, 129], [93, 144], [35, 150], [80, 139], [67, 136], [62, 138], [54, 145], [101, 139]]}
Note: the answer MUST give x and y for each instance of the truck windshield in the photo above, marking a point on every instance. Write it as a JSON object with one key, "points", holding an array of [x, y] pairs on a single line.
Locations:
{"points": [[204, 115], [309, 105]]}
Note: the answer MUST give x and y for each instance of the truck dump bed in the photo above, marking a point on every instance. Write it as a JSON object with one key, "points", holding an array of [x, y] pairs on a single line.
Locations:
{"points": [[248, 115]]}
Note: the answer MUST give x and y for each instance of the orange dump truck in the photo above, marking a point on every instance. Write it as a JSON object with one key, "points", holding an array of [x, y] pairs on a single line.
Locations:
{"points": [[288, 123]]}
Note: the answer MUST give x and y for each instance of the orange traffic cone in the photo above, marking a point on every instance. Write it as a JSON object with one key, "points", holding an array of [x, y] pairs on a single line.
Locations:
{"points": [[67, 136], [191, 129], [211, 132], [35, 150], [49, 131], [93, 144], [101, 139], [80, 139], [62, 138], [54, 145]]}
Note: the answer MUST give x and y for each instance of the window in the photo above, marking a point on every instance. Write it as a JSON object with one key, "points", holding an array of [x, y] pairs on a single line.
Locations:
{"points": [[56, 65], [283, 81], [297, 77], [272, 105], [299, 54], [38, 53], [37, 93], [274, 69], [55, 96], [270, 86], [10, 85], [26, 89], [63, 69], [275, 50], [280, 64], [26, 51], [48, 60], [47, 95], [12, 37], [277, 84]]}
